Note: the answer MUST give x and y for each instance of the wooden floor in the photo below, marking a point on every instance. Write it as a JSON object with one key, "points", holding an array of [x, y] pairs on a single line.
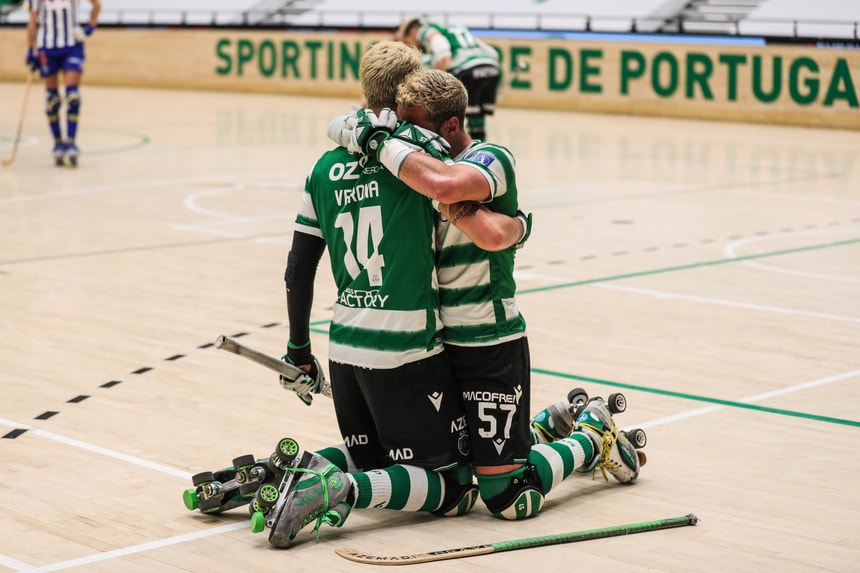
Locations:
{"points": [[709, 271]]}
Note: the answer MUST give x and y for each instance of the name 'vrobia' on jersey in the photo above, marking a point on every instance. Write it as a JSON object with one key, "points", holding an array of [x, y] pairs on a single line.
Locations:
{"points": [[381, 243]]}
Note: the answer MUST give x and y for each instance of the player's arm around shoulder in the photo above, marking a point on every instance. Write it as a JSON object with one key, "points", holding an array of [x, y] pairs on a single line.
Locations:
{"points": [[446, 183]]}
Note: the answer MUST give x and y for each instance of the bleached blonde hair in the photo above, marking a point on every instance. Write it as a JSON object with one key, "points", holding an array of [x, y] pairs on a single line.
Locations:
{"points": [[440, 92], [383, 68]]}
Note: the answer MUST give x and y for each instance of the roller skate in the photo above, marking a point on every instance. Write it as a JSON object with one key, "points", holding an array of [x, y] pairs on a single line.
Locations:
{"points": [[557, 421], [312, 489], [616, 452], [59, 152], [72, 153], [218, 491]]}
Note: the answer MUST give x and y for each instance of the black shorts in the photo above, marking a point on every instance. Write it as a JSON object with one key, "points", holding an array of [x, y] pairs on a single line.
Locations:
{"points": [[495, 383], [481, 83], [408, 415]]}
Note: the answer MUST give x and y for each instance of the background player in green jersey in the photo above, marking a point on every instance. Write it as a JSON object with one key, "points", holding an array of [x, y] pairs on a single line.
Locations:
{"points": [[484, 331], [456, 50]]}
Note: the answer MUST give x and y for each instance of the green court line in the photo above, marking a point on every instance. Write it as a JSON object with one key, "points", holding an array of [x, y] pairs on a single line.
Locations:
{"points": [[690, 266], [686, 396], [728, 403]]}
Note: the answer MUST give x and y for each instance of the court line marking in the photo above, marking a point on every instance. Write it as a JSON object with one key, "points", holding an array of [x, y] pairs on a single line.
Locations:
{"points": [[723, 302], [123, 551], [691, 266], [746, 403], [729, 251]]}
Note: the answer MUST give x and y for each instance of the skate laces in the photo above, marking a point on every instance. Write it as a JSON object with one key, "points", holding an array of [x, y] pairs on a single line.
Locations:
{"points": [[324, 514], [608, 439]]}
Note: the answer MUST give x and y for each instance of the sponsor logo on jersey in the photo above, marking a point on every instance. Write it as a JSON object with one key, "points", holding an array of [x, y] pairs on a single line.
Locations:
{"points": [[481, 157], [495, 397], [359, 440], [500, 445], [436, 399], [458, 425], [398, 454], [362, 298]]}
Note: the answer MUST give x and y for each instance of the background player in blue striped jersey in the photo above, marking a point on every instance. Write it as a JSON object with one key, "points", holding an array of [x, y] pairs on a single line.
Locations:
{"points": [[456, 50], [55, 43]]}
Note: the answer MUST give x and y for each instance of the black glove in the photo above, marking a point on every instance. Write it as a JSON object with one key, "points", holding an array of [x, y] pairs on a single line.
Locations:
{"points": [[33, 59]]}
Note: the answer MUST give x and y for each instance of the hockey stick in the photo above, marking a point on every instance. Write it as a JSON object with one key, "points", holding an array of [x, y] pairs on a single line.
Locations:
{"points": [[359, 557], [285, 369], [8, 162]]}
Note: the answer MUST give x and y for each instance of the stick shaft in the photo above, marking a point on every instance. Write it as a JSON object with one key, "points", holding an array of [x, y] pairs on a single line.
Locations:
{"points": [[8, 162], [571, 537], [611, 531], [288, 370]]}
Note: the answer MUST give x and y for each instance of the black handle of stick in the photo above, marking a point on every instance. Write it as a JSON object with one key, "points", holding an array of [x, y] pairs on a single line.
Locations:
{"points": [[612, 531]]}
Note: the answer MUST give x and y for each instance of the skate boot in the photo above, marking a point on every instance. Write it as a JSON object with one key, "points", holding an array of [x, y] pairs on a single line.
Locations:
{"points": [[312, 489], [72, 153], [556, 421], [614, 451], [59, 153], [218, 491]]}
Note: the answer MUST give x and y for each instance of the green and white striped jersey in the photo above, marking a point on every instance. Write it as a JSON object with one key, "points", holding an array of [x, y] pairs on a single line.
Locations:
{"points": [[380, 238], [467, 51], [477, 287]]}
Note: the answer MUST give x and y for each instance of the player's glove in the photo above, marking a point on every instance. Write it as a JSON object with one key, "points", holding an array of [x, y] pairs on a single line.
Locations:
{"points": [[306, 385], [341, 129], [33, 61], [371, 130], [526, 220], [81, 33], [422, 139]]}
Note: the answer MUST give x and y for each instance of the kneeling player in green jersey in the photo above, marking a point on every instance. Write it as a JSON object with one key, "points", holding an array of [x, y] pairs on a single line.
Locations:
{"points": [[484, 331]]}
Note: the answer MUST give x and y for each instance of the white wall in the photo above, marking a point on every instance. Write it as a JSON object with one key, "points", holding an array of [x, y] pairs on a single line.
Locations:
{"points": [[606, 15]]}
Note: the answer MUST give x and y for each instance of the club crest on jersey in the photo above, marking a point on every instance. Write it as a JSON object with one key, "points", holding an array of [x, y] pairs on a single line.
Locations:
{"points": [[481, 157]]}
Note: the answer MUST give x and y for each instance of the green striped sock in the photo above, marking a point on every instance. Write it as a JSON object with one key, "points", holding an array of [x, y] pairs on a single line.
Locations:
{"points": [[557, 460], [400, 487], [339, 456]]}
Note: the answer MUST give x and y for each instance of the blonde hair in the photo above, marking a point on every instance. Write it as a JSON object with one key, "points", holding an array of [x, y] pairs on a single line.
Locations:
{"points": [[383, 67], [443, 95]]}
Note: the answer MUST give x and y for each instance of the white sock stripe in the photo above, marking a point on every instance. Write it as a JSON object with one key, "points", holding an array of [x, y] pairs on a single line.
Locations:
{"points": [[418, 488], [553, 458], [380, 488]]}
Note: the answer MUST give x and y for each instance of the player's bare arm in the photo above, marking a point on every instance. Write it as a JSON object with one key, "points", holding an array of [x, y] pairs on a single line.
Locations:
{"points": [[446, 183], [489, 230]]}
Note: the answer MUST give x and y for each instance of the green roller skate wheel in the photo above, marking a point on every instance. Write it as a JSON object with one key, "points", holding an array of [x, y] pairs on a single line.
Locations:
{"points": [[189, 498], [267, 496], [258, 522], [289, 447], [287, 451]]}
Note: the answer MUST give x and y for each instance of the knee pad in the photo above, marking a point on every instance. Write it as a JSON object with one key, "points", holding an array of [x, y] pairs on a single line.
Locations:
{"points": [[52, 103], [460, 493], [73, 102], [522, 498]]}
